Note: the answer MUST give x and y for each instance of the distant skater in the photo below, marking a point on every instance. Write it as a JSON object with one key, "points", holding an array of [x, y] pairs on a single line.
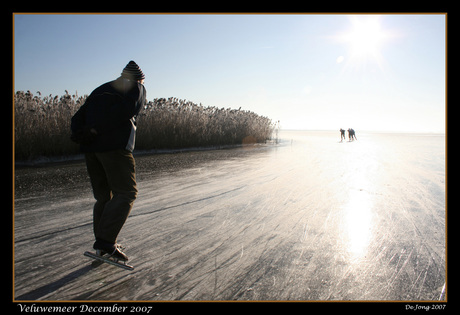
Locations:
{"points": [[105, 128], [352, 134], [342, 134]]}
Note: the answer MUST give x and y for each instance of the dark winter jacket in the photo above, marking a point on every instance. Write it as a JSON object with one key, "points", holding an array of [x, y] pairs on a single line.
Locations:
{"points": [[111, 111]]}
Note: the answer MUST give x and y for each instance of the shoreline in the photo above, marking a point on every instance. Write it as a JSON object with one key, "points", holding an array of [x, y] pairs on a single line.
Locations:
{"points": [[45, 161], [57, 160]]}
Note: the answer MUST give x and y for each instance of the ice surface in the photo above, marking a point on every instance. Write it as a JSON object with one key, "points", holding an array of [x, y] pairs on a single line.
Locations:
{"points": [[311, 218]]}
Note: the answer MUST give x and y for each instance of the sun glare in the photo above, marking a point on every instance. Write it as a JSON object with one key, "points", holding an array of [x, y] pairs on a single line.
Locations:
{"points": [[365, 39], [365, 36]]}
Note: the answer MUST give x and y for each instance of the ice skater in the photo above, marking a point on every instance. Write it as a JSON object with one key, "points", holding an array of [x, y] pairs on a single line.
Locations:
{"points": [[352, 134], [342, 134], [105, 128]]}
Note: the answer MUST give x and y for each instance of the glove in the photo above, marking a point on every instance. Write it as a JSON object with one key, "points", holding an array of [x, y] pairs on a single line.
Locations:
{"points": [[84, 136]]}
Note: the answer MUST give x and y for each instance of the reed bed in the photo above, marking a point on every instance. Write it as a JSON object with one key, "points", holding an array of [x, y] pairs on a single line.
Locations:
{"points": [[42, 125]]}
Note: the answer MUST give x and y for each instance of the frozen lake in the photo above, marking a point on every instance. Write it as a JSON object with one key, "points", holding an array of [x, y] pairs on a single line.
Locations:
{"points": [[311, 218]]}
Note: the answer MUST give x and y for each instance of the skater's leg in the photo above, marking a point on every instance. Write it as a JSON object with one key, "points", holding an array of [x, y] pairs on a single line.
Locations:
{"points": [[101, 189], [119, 168]]}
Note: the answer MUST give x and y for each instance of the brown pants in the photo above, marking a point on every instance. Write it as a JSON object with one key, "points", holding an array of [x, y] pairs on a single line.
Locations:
{"points": [[113, 178]]}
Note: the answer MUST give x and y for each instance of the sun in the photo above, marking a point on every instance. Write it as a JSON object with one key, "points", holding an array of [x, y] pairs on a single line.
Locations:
{"points": [[365, 39]]}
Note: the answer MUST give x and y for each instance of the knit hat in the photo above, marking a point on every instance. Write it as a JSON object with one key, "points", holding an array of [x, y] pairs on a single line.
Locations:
{"points": [[133, 72]]}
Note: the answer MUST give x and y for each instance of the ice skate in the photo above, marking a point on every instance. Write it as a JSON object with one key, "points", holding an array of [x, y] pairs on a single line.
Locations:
{"points": [[112, 255]]}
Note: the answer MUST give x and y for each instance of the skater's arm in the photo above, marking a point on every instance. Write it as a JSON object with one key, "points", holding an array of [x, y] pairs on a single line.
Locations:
{"points": [[107, 111]]}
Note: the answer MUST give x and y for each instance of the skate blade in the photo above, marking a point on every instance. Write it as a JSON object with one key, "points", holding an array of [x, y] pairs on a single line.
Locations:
{"points": [[108, 261]]}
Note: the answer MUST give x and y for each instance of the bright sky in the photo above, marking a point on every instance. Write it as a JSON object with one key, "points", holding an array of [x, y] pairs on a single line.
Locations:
{"points": [[326, 72]]}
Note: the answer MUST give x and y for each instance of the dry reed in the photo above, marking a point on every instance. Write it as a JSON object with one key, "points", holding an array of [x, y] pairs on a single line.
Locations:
{"points": [[42, 125]]}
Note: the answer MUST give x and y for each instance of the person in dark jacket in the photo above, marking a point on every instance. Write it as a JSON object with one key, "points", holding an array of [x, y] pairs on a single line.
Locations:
{"points": [[105, 128], [342, 134], [352, 134]]}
